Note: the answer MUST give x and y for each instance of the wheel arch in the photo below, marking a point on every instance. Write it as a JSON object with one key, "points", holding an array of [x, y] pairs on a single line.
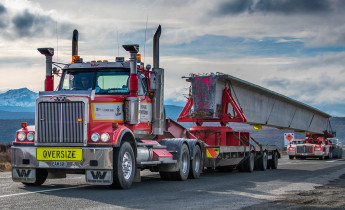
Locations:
{"points": [[127, 135]]}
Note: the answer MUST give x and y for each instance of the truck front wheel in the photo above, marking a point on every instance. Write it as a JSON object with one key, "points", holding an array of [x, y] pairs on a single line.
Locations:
{"points": [[123, 166]]}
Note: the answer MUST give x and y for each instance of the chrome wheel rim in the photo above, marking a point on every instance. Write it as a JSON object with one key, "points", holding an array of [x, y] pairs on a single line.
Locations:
{"points": [[197, 162], [184, 163], [127, 165]]}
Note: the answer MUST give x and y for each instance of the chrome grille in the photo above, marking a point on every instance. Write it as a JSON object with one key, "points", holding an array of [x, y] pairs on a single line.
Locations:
{"points": [[305, 149], [60, 122]]}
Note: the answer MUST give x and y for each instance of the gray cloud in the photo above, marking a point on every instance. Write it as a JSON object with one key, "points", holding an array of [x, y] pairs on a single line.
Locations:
{"points": [[2, 9], [309, 90], [24, 23], [287, 7], [2, 13]]}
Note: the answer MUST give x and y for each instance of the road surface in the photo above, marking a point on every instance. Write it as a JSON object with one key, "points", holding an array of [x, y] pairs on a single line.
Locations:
{"points": [[213, 190]]}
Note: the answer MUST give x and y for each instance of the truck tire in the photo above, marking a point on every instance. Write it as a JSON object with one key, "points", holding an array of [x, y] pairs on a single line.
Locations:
{"points": [[341, 153], [291, 157], [248, 165], [274, 161], [196, 164], [322, 157], [330, 155], [184, 164], [262, 162], [123, 166], [41, 176]]}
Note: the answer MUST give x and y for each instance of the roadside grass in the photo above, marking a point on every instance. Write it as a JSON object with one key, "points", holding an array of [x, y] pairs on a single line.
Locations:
{"points": [[5, 157]]}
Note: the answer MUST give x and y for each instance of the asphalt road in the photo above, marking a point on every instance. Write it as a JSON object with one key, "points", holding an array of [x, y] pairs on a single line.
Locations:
{"points": [[214, 190]]}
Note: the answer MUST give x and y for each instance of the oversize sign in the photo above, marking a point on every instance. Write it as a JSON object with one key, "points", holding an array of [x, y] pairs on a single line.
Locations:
{"points": [[59, 154]]}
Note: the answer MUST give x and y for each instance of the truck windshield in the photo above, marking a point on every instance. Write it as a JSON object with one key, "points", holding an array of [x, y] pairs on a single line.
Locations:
{"points": [[104, 82]]}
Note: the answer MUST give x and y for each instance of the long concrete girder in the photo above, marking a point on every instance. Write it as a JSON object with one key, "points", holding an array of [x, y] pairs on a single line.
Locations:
{"points": [[259, 105]]}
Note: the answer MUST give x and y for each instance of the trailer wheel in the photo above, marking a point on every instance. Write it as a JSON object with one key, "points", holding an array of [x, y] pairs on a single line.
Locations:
{"points": [[41, 176], [123, 166], [262, 162], [274, 161], [196, 164], [340, 153], [248, 164], [330, 155], [184, 164]]}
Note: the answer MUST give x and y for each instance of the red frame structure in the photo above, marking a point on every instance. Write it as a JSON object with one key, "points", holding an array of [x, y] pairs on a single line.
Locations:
{"points": [[213, 135], [225, 118]]}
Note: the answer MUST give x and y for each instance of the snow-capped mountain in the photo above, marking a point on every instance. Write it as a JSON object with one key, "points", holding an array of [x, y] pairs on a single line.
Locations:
{"points": [[22, 97]]}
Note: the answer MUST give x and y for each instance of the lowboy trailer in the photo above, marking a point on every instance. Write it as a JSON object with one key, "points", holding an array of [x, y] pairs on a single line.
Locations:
{"points": [[107, 120]]}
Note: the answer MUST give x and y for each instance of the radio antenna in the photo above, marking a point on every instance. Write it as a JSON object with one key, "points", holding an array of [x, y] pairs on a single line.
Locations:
{"points": [[147, 20], [118, 45], [57, 43]]}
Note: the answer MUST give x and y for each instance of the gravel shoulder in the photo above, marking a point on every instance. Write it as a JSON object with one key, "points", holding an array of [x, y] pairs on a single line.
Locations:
{"points": [[327, 196]]}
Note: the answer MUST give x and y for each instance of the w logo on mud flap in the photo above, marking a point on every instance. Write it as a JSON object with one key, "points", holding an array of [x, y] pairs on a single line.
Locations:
{"points": [[23, 173], [98, 174]]}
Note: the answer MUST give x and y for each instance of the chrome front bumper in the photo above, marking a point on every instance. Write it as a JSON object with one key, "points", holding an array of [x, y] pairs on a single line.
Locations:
{"points": [[93, 158], [97, 164]]}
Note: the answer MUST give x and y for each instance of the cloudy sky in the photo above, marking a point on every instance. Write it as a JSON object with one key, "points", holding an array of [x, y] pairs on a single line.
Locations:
{"points": [[294, 47]]}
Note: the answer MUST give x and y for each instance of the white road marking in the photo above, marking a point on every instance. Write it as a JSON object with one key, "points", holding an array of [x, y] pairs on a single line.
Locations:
{"points": [[331, 161], [39, 191]]}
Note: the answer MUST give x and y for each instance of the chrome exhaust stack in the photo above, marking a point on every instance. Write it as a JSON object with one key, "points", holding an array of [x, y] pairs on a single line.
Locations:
{"points": [[75, 43], [49, 81], [132, 103], [157, 86]]}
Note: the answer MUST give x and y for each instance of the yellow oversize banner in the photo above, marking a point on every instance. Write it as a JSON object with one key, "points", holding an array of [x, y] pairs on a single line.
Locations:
{"points": [[59, 154]]}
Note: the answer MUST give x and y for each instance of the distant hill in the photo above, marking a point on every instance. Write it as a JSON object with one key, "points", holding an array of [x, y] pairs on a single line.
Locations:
{"points": [[17, 104], [22, 97], [172, 111]]}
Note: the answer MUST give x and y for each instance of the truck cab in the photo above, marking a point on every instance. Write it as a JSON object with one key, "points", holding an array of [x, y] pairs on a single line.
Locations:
{"points": [[313, 146]]}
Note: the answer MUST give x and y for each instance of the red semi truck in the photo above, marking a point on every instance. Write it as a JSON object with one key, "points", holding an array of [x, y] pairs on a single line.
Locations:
{"points": [[315, 146], [107, 120]]}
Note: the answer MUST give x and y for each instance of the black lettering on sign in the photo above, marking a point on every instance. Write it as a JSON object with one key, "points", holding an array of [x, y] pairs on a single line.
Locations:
{"points": [[23, 173], [98, 175], [73, 154]]}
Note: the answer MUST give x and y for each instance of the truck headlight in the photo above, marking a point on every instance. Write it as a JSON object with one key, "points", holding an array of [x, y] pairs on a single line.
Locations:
{"points": [[21, 136], [30, 136], [105, 137], [95, 137], [292, 149], [317, 149]]}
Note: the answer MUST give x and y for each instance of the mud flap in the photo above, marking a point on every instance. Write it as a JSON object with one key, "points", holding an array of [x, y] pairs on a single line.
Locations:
{"points": [[99, 177], [24, 175]]}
